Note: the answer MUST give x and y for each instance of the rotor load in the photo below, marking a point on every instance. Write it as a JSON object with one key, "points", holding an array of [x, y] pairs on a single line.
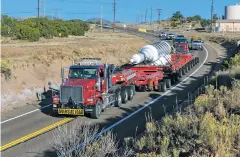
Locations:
{"points": [[156, 54]]}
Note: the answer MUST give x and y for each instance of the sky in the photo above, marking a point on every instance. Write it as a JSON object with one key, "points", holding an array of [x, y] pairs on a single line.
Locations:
{"points": [[126, 10]]}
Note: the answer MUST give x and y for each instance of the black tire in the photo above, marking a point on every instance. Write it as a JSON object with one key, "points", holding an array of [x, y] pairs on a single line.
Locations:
{"points": [[118, 101], [142, 88], [130, 93], [163, 86], [191, 64], [173, 81], [197, 59], [134, 89], [97, 110], [168, 83], [183, 70], [194, 63], [124, 95], [180, 73], [188, 66], [54, 113]]}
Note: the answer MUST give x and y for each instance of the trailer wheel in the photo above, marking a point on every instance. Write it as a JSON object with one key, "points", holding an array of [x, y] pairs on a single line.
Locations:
{"points": [[130, 93], [118, 102], [163, 86], [197, 59], [186, 69], [191, 64], [188, 66], [97, 110], [124, 94], [183, 71], [180, 73], [168, 83]]}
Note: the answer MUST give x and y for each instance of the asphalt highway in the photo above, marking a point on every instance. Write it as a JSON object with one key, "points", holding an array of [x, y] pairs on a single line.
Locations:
{"points": [[31, 119]]}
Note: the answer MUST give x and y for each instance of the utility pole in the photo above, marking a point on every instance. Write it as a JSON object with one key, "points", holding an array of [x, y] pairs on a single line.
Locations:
{"points": [[38, 8], [141, 18], [44, 1], [151, 16], [114, 14], [212, 17], [101, 19], [146, 16], [159, 13]]}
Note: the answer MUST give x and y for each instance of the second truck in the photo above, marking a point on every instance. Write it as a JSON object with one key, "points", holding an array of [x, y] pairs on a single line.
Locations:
{"points": [[91, 86]]}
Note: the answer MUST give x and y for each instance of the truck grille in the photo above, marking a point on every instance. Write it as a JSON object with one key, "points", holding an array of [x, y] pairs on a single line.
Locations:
{"points": [[75, 92]]}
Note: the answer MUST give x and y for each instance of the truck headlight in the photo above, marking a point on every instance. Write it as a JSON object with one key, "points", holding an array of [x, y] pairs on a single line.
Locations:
{"points": [[54, 105], [90, 100]]}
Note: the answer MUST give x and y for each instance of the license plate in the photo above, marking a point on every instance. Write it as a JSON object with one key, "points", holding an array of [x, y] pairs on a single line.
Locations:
{"points": [[71, 111]]}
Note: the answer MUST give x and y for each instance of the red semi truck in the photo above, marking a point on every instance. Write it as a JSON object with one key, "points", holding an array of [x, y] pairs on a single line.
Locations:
{"points": [[92, 86]]}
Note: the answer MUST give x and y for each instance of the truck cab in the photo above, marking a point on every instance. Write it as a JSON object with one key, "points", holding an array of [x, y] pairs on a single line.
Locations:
{"points": [[87, 88], [181, 45]]}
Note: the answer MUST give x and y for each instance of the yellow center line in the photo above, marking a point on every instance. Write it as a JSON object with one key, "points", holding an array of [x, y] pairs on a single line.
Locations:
{"points": [[34, 134]]}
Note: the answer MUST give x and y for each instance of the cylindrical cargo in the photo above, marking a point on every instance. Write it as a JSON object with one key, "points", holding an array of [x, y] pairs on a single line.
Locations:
{"points": [[157, 54], [232, 12]]}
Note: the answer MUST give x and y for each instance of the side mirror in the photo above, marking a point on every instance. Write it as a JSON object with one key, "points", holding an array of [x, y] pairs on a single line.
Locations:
{"points": [[98, 84]]}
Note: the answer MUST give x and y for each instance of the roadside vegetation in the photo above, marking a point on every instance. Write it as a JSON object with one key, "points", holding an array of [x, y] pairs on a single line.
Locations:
{"points": [[207, 128], [178, 19], [33, 28]]}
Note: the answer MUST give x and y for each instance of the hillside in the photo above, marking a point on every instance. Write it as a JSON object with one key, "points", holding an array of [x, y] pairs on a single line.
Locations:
{"points": [[28, 66]]}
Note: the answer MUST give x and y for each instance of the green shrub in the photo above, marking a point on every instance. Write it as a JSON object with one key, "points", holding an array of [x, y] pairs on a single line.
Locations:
{"points": [[34, 28], [27, 33], [5, 69]]}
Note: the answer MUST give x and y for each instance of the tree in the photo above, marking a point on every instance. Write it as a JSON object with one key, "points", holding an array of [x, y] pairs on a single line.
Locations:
{"points": [[177, 16], [205, 22], [215, 17], [194, 18]]}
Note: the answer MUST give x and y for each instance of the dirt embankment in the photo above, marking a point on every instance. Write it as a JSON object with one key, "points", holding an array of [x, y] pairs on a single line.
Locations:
{"points": [[34, 64]]}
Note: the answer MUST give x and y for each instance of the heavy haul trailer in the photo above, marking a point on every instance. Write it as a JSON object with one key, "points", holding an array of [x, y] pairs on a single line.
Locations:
{"points": [[91, 87], [157, 67]]}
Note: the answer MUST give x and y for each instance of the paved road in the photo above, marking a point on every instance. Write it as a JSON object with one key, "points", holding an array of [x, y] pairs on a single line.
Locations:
{"points": [[40, 146]]}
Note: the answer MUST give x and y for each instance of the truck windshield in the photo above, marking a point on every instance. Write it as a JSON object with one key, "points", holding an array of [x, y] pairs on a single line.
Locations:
{"points": [[196, 41], [180, 40], [81, 73]]}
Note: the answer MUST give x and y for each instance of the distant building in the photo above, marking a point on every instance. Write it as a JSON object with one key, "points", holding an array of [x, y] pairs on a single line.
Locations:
{"points": [[231, 23], [228, 25]]}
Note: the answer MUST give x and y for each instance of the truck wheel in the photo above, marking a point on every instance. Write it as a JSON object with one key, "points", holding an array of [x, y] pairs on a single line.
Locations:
{"points": [[97, 110], [130, 93], [124, 94], [118, 102], [134, 89], [168, 83]]}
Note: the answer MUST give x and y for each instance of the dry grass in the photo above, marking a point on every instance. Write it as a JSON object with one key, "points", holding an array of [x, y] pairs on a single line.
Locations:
{"points": [[39, 62], [68, 138]]}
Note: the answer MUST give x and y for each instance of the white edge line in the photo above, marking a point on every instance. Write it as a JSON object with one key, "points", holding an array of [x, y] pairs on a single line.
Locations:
{"points": [[151, 102], [131, 113], [24, 114], [146, 105]]}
